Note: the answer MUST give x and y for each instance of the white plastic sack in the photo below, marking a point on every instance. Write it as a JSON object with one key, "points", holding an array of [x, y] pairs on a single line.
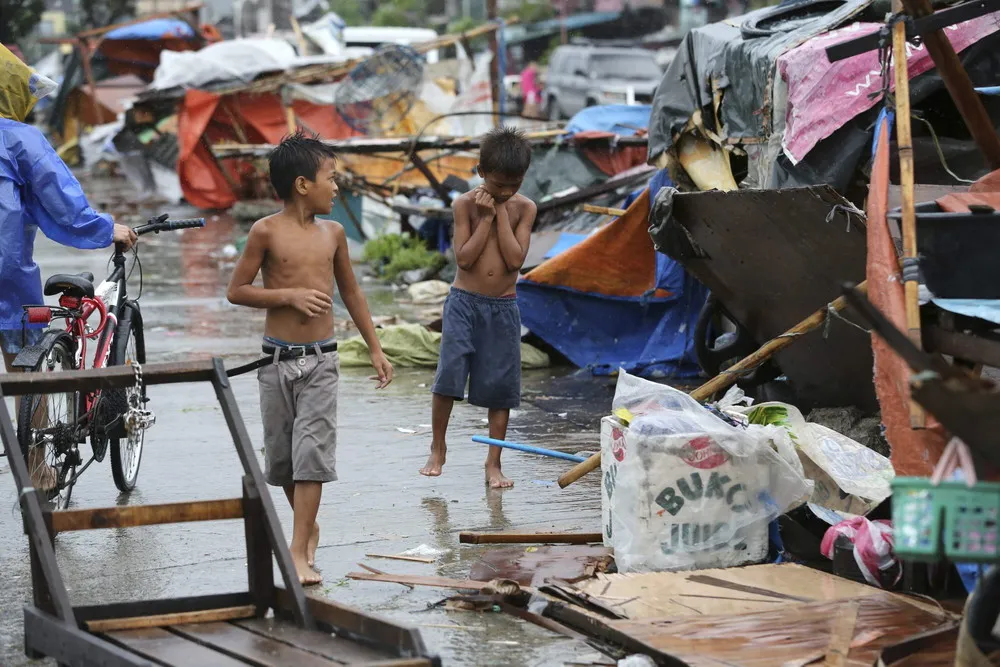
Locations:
{"points": [[848, 476], [683, 489], [236, 59]]}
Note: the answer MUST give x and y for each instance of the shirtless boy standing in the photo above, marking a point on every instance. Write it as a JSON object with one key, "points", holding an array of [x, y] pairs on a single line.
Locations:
{"points": [[300, 258], [481, 334]]}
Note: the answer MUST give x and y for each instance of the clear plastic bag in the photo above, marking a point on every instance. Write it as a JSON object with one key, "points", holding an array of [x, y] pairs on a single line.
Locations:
{"points": [[684, 489]]}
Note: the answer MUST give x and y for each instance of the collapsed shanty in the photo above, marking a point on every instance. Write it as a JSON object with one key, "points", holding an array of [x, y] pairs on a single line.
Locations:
{"points": [[779, 513]]}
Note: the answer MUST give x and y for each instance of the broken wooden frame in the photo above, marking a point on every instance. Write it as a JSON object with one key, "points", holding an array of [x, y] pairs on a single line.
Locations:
{"points": [[85, 635], [965, 404]]}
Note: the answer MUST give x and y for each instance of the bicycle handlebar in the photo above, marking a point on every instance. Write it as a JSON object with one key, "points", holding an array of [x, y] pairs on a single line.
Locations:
{"points": [[161, 224]]}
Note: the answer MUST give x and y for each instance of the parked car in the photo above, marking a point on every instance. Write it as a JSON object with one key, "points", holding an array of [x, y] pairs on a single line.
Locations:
{"points": [[580, 76]]}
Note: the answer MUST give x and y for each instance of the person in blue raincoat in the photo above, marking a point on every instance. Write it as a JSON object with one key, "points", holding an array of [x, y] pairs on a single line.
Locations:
{"points": [[37, 191]]}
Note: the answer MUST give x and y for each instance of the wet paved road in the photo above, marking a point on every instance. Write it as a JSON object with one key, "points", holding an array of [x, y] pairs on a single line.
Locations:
{"points": [[380, 504]]}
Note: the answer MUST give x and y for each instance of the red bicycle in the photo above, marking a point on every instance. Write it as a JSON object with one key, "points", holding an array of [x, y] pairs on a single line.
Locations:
{"points": [[51, 427]]}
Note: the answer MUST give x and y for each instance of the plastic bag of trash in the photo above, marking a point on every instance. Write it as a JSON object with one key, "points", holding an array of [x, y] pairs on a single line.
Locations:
{"points": [[849, 477], [684, 489]]}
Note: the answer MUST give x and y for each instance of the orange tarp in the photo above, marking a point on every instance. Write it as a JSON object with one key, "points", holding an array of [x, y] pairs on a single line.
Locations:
{"points": [[914, 452], [206, 118], [617, 260]]}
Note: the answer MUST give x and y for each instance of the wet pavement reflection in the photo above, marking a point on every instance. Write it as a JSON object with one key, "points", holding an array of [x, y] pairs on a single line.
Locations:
{"points": [[379, 505]]}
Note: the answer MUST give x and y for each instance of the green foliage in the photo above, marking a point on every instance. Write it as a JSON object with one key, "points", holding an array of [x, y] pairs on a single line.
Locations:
{"points": [[532, 12], [392, 254], [18, 18], [349, 10], [400, 13]]}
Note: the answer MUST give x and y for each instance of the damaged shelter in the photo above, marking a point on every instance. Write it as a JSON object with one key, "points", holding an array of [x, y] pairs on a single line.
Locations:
{"points": [[743, 530], [770, 143], [109, 66]]}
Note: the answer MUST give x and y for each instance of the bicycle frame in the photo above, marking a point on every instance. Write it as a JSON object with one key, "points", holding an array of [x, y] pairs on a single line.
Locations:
{"points": [[108, 301]]}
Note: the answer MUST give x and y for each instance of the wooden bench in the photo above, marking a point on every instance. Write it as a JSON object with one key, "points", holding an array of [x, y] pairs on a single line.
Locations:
{"points": [[266, 625]]}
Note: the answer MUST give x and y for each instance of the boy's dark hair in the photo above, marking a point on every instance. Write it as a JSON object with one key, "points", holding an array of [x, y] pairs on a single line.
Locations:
{"points": [[505, 150], [297, 155]]}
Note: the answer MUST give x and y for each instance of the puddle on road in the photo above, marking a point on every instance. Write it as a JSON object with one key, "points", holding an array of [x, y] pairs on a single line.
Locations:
{"points": [[379, 505]]}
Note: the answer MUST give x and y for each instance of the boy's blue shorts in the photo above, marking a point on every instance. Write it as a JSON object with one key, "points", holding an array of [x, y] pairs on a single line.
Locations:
{"points": [[481, 345]]}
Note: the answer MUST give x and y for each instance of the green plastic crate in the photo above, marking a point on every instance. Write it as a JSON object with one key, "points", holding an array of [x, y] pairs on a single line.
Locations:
{"points": [[950, 519]]}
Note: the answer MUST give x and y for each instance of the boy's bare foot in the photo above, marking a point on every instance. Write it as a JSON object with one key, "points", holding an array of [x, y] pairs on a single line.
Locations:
{"points": [[496, 479], [307, 575], [312, 545], [435, 462]]}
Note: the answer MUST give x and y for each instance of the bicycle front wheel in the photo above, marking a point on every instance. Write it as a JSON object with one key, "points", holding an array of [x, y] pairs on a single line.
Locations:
{"points": [[47, 431], [126, 452]]}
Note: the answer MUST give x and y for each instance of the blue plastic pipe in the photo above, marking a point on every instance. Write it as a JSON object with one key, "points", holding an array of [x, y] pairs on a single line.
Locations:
{"points": [[528, 448]]}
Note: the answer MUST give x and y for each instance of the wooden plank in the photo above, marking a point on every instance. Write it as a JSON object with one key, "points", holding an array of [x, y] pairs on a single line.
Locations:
{"points": [[979, 349], [248, 646], [396, 639], [408, 559], [146, 515], [45, 569], [418, 580], [160, 620], [66, 644], [842, 636], [170, 649], [117, 377], [321, 643], [248, 458], [471, 537], [157, 607], [260, 564], [621, 180]]}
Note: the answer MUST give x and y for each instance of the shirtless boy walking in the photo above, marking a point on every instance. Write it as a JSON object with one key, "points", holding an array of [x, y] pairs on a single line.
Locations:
{"points": [[300, 258], [481, 334]]}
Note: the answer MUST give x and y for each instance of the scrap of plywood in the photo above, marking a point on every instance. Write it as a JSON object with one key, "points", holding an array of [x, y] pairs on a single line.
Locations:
{"points": [[675, 595], [793, 634], [533, 566]]}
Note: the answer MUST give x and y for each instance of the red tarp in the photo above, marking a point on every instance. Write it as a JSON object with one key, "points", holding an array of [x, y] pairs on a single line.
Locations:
{"points": [[207, 118], [822, 97], [611, 160], [914, 452]]}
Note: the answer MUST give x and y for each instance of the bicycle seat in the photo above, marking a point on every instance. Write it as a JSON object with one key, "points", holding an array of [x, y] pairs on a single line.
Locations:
{"points": [[71, 284]]}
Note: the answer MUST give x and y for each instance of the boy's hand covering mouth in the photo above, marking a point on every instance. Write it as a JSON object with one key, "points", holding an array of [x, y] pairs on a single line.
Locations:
{"points": [[310, 302], [485, 203], [383, 370]]}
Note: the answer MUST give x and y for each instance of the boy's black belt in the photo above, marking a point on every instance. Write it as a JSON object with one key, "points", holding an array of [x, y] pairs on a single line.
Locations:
{"points": [[290, 352], [296, 351]]}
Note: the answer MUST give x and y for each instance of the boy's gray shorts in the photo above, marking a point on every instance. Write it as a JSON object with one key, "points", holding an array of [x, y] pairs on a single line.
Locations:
{"points": [[298, 407], [481, 345]]}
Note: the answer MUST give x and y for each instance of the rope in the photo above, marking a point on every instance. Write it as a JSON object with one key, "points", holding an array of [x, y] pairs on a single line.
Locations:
{"points": [[940, 152], [848, 210], [831, 314]]}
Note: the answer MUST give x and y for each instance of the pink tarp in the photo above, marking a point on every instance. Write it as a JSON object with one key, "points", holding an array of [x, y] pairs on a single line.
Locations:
{"points": [[824, 96]]}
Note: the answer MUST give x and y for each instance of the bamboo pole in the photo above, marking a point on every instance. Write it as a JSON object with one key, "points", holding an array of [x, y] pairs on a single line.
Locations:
{"points": [[602, 210], [88, 74], [904, 141], [729, 376]]}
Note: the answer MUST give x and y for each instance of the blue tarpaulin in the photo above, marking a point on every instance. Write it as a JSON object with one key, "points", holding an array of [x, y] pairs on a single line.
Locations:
{"points": [[646, 334], [621, 119], [566, 241], [989, 90], [153, 29]]}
